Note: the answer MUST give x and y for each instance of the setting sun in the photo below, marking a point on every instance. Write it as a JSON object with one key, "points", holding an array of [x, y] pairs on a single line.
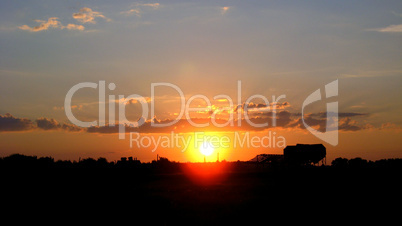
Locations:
{"points": [[206, 149]]}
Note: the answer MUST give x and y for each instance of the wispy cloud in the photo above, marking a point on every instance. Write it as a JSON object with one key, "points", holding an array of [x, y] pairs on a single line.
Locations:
{"points": [[136, 12], [390, 28], [137, 8], [74, 27], [52, 22], [395, 28], [52, 124], [153, 5], [87, 15], [371, 74]]}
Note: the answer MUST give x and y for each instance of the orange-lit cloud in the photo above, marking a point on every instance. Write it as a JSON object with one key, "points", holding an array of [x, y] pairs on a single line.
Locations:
{"points": [[52, 22], [224, 9], [74, 27], [87, 15], [283, 119], [153, 5], [254, 106], [390, 126]]}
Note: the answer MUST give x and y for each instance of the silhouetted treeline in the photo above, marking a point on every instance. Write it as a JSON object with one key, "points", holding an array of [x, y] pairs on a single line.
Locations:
{"points": [[359, 163], [23, 161]]}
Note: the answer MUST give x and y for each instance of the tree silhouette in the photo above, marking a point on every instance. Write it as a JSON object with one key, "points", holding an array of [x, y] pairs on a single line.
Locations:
{"points": [[340, 163]]}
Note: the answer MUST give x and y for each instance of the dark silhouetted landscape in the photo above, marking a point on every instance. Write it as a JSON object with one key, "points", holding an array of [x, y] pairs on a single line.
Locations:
{"points": [[165, 192]]}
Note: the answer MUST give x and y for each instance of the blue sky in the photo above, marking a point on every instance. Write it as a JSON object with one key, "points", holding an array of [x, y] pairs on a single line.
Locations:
{"points": [[275, 42]]}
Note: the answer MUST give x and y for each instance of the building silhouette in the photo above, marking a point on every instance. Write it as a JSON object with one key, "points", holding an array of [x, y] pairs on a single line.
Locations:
{"points": [[302, 154]]}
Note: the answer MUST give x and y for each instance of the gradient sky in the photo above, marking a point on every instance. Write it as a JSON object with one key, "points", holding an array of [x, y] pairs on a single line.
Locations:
{"points": [[203, 47]]}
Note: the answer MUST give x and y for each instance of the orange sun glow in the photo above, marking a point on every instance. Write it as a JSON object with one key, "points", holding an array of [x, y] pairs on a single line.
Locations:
{"points": [[206, 149]]}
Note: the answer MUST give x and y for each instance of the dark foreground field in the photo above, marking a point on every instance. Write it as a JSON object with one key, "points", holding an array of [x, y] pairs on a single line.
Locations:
{"points": [[212, 193]]}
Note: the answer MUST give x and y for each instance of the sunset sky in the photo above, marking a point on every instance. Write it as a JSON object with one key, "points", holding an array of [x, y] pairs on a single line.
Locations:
{"points": [[275, 48]]}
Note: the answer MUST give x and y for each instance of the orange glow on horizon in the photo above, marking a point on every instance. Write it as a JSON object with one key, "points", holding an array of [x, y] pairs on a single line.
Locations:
{"points": [[206, 173]]}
